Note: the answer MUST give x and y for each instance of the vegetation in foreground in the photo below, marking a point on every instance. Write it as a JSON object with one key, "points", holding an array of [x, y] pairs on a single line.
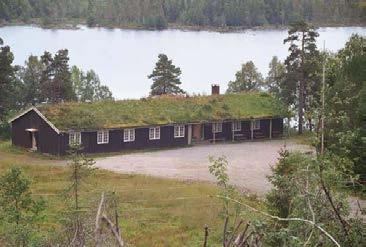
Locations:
{"points": [[153, 211]]}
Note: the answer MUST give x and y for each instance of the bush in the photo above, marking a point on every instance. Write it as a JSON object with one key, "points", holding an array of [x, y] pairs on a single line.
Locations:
{"points": [[5, 133]]}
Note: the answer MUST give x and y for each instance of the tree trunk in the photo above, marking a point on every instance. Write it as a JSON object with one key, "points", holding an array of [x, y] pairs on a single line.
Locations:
{"points": [[302, 86], [301, 106]]}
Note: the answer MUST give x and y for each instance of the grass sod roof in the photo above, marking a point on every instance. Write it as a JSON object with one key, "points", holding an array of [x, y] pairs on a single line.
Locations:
{"points": [[161, 110]]}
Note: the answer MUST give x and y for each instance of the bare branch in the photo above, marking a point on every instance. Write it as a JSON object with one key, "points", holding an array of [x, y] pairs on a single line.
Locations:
{"points": [[98, 230], [206, 236], [113, 229], [285, 219], [234, 232], [225, 231]]}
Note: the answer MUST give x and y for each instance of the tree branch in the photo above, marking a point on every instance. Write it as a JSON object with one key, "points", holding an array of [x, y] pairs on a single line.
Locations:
{"points": [[285, 219]]}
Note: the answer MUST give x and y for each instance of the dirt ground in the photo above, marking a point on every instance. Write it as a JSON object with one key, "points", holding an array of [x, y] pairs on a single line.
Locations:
{"points": [[249, 162]]}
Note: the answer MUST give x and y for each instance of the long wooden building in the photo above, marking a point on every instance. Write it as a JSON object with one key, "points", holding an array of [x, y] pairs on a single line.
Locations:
{"points": [[166, 121]]}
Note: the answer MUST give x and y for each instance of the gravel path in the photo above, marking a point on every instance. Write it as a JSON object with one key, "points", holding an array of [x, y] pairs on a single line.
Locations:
{"points": [[249, 162]]}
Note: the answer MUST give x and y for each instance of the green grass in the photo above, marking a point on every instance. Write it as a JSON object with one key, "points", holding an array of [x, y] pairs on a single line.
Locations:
{"points": [[154, 211], [161, 110], [306, 138]]}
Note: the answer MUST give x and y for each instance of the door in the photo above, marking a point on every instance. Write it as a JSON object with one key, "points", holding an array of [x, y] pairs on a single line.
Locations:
{"points": [[197, 132], [33, 138], [34, 141]]}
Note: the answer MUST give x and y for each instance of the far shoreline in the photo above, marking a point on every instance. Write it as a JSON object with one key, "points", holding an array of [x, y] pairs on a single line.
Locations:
{"points": [[72, 25]]}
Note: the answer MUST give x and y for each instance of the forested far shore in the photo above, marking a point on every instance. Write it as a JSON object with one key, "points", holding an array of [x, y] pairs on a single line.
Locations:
{"points": [[198, 14]]}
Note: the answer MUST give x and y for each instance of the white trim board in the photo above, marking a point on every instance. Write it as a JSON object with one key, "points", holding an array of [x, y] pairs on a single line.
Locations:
{"points": [[39, 114]]}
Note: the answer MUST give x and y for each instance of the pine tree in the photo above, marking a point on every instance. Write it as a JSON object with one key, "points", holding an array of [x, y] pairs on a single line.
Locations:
{"points": [[301, 65], [56, 77], [165, 77], [7, 71], [31, 75]]}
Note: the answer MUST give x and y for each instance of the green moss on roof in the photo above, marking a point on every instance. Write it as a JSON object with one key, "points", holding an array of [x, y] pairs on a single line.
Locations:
{"points": [[161, 110]]}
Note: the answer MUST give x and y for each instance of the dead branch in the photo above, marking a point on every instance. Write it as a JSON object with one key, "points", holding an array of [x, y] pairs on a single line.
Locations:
{"points": [[309, 204], [113, 229], [206, 236], [234, 232], [225, 231], [98, 229], [240, 239], [284, 219]]}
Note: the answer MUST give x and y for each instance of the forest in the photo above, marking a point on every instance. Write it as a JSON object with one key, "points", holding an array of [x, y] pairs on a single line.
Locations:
{"points": [[160, 14]]}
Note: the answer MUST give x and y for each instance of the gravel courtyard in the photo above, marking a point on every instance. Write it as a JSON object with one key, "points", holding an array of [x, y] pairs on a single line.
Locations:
{"points": [[249, 162]]}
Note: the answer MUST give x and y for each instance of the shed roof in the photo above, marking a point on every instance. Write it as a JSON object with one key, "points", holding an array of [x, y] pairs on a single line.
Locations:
{"points": [[161, 111]]}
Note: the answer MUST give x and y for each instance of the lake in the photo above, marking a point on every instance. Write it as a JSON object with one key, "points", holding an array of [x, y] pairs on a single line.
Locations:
{"points": [[124, 58]]}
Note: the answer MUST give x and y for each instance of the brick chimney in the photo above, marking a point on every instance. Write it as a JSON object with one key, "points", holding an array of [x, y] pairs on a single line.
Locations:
{"points": [[215, 89]]}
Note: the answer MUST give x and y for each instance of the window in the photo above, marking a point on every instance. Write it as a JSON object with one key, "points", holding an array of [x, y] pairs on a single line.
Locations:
{"points": [[103, 137], [74, 138], [129, 135], [154, 133], [179, 131], [216, 127], [256, 124], [236, 126]]}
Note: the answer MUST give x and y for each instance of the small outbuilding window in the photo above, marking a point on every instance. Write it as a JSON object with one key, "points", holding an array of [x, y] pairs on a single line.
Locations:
{"points": [[75, 138], [236, 126], [103, 137], [154, 133], [216, 127], [256, 124], [129, 135], [179, 131]]}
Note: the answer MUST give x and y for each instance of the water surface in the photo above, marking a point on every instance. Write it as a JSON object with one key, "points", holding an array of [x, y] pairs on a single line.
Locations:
{"points": [[124, 58]]}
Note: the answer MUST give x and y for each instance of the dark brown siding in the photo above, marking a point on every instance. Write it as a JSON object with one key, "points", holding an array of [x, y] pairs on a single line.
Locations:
{"points": [[47, 138], [48, 141], [277, 128], [245, 133]]}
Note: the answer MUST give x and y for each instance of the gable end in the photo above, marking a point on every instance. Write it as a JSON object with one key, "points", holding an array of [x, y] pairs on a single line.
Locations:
{"points": [[40, 115]]}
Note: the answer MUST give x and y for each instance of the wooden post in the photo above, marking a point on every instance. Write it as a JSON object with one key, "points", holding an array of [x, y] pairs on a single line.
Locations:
{"points": [[270, 128], [190, 134], [206, 236], [232, 131], [251, 130]]}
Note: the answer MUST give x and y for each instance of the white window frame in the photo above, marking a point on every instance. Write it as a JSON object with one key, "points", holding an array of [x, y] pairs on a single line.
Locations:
{"points": [[256, 124], [103, 137], [129, 135], [179, 131], [154, 133], [74, 137], [216, 127], [236, 126]]}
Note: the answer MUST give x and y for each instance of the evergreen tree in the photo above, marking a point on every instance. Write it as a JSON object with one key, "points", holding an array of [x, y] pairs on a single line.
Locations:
{"points": [[165, 77], [7, 77], [56, 77], [302, 67], [247, 79], [31, 75]]}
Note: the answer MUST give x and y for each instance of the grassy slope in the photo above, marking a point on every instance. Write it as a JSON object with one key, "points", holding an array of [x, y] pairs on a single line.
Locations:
{"points": [[161, 110], [155, 212]]}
